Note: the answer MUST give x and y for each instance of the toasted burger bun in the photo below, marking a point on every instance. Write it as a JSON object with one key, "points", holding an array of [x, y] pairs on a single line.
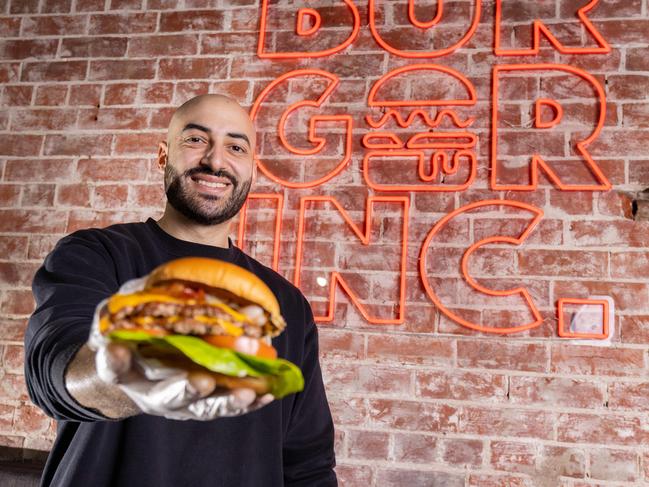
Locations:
{"points": [[224, 276]]}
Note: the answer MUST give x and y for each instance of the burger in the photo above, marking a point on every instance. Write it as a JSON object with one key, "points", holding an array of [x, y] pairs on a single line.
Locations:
{"points": [[203, 313]]}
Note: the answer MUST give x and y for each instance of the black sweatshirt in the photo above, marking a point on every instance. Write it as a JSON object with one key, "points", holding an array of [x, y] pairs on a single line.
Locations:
{"points": [[288, 442]]}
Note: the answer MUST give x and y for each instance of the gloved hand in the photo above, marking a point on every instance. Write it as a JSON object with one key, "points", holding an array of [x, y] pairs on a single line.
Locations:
{"points": [[159, 389]]}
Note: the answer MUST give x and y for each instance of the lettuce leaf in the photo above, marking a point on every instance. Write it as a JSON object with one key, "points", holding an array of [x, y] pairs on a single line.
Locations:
{"points": [[285, 377]]}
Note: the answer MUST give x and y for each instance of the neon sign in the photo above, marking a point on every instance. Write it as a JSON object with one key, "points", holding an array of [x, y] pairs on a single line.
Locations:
{"points": [[423, 132]]}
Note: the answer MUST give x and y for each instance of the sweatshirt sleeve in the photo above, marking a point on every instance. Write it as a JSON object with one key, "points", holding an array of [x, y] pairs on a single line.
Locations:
{"points": [[73, 279], [309, 457]]}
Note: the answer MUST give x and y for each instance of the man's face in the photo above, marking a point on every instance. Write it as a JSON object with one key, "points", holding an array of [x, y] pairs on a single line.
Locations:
{"points": [[209, 161]]}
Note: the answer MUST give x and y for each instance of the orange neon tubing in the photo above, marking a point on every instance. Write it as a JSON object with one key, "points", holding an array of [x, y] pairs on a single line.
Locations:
{"points": [[412, 16], [538, 215], [439, 118], [538, 27], [289, 55], [389, 141], [307, 12], [603, 184], [471, 100], [279, 198], [364, 237], [318, 142], [421, 140], [566, 333], [556, 108], [426, 177], [423, 54]]}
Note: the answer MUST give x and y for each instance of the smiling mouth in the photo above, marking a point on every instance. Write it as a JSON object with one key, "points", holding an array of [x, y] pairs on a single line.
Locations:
{"points": [[211, 184]]}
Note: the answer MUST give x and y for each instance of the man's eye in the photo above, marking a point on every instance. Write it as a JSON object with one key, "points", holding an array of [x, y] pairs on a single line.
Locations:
{"points": [[238, 148], [194, 140]]}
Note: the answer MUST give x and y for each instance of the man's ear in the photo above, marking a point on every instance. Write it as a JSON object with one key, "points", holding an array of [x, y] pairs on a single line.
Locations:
{"points": [[162, 155]]}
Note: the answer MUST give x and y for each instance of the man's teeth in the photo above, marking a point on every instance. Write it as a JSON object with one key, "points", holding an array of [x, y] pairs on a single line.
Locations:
{"points": [[210, 184]]}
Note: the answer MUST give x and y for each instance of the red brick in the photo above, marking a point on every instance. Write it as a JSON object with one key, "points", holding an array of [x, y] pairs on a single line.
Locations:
{"points": [[74, 194], [138, 143], [413, 416], [151, 195], [399, 478], [113, 118], [347, 411], [44, 119], [584, 360], [369, 445], [13, 328], [353, 475], [410, 349], [10, 26], [51, 95], [193, 68], [89, 5], [564, 263], [38, 170], [13, 386], [167, 45], [9, 195], [635, 329], [491, 480], [31, 419], [502, 355], [56, 6], [126, 4], [507, 422], [636, 59], [113, 169], [13, 247], [19, 145], [122, 69], [79, 219], [123, 23], [6, 417], [17, 95], [340, 345], [555, 391], [628, 396], [191, 20], [615, 203], [609, 141], [37, 195], [415, 448], [9, 72], [28, 48], [110, 196], [85, 94], [16, 302], [366, 379], [93, 47], [461, 452], [54, 25], [155, 93], [229, 42], [572, 203], [54, 71], [614, 465], [610, 233], [41, 245], [77, 145], [623, 87], [513, 456], [43, 221], [630, 264], [458, 385]]}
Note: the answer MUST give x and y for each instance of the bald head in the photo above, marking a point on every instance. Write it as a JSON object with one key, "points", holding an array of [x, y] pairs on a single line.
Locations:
{"points": [[212, 106]]}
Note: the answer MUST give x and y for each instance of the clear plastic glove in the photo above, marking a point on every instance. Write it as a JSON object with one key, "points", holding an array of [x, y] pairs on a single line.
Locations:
{"points": [[161, 389]]}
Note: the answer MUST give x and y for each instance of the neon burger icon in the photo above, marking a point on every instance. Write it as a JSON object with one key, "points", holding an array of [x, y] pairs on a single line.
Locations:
{"points": [[443, 149]]}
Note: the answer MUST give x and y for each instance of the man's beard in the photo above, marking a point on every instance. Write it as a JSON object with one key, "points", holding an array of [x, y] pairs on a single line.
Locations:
{"points": [[204, 209]]}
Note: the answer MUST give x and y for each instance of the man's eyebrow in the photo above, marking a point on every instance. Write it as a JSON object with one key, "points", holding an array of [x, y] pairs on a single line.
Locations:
{"points": [[196, 126], [239, 136], [234, 135]]}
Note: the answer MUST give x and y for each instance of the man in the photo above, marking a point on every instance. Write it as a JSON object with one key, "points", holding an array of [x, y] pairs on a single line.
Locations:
{"points": [[103, 438]]}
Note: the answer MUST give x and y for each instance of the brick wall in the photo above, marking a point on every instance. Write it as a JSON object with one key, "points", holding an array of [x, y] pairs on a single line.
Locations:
{"points": [[87, 90]]}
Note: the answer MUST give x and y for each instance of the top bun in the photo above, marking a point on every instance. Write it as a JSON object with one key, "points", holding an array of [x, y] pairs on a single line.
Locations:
{"points": [[221, 275]]}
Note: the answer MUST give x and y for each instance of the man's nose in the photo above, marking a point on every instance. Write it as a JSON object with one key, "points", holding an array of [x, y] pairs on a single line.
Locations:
{"points": [[213, 158]]}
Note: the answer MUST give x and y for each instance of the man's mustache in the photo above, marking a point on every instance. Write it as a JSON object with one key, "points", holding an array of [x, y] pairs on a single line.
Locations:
{"points": [[221, 173]]}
